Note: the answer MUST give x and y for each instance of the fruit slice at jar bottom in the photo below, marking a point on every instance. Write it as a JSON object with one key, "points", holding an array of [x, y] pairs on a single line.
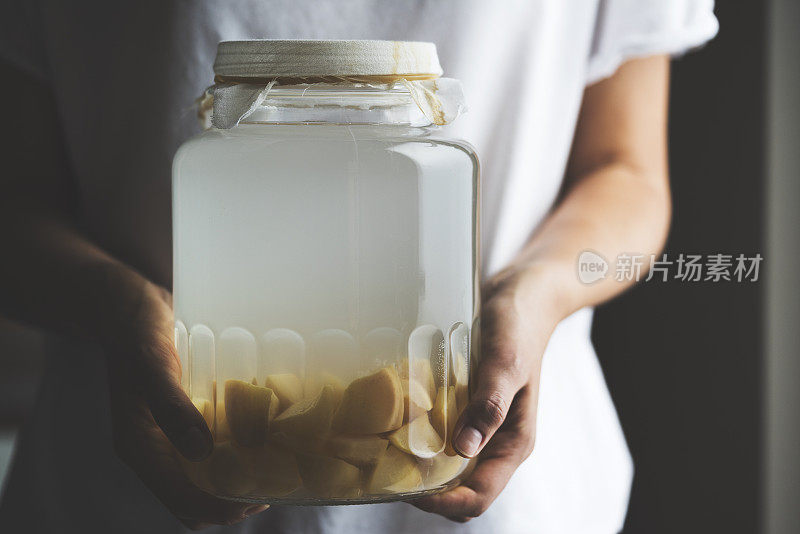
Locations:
{"points": [[357, 450], [299, 452], [328, 477], [249, 410], [275, 470], [229, 471], [287, 387], [234, 471], [395, 472], [315, 382], [421, 371], [222, 431], [441, 469], [416, 399], [418, 438], [444, 416], [371, 404], [299, 443], [310, 417]]}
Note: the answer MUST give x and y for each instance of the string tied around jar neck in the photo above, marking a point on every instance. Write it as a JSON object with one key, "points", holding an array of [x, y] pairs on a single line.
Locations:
{"points": [[246, 72]]}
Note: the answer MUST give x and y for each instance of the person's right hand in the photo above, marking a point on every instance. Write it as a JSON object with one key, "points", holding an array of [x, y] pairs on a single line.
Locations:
{"points": [[151, 414]]}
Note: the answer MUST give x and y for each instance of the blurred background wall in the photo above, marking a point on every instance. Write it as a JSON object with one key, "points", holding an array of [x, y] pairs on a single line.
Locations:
{"points": [[704, 374], [781, 476]]}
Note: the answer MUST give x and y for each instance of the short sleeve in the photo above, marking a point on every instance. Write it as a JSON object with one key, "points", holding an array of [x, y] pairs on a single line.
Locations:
{"points": [[21, 37], [625, 29]]}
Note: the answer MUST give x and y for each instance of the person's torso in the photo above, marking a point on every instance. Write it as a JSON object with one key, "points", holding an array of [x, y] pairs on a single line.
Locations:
{"points": [[126, 78]]}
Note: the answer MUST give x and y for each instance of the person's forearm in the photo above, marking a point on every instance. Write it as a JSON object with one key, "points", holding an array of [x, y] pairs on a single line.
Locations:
{"points": [[611, 210], [53, 276]]}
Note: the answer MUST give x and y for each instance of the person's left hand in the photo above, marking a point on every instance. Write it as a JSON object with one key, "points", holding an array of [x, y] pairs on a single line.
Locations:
{"points": [[154, 422], [500, 420]]}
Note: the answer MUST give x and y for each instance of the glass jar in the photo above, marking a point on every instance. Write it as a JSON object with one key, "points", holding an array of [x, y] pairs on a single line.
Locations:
{"points": [[325, 296]]}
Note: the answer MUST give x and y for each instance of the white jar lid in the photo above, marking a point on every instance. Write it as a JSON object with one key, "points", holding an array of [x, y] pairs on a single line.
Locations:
{"points": [[280, 58]]}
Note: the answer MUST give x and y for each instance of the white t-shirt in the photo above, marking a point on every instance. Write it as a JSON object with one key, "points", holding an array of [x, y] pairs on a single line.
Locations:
{"points": [[125, 76]]}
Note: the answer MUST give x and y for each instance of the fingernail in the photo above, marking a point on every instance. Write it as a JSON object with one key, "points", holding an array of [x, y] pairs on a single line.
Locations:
{"points": [[194, 444], [467, 441], [255, 509]]}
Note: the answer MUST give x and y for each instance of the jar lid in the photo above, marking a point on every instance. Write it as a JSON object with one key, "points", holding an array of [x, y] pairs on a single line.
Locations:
{"points": [[286, 58]]}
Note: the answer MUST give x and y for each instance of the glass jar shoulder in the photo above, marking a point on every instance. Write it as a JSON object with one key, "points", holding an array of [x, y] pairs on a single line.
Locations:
{"points": [[291, 141], [458, 148]]}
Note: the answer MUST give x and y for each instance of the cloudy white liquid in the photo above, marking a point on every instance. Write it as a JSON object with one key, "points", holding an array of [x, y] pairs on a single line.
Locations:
{"points": [[302, 247]]}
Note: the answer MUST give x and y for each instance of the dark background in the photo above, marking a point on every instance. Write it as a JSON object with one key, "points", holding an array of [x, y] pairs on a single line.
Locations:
{"points": [[683, 360]]}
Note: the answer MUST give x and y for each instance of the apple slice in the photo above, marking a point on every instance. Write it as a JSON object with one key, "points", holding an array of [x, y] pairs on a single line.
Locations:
{"points": [[328, 477], [314, 383], [275, 471], [416, 399], [233, 471], [287, 388], [206, 409], [444, 416], [358, 450], [371, 404], [299, 443], [418, 438], [395, 472], [228, 471], [461, 397], [442, 469], [311, 417], [220, 429], [459, 363], [249, 410], [421, 371]]}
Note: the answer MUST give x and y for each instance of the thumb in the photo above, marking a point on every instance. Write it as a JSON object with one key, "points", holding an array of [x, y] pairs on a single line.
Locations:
{"points": [[169, 405], [144, 360], [488, 407]]}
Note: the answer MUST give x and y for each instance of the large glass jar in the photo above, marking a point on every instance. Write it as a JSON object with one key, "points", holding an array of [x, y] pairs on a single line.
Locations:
{"points": [[325, 271]]}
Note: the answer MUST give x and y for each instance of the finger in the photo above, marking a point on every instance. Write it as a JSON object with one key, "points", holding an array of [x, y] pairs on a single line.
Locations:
{"points": [[194, 506], [473, 497], [200, 525], [142, 446], [253, 510], [146, 361], [496, 464], [195, 525], [171, 408], [500, 375]]}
